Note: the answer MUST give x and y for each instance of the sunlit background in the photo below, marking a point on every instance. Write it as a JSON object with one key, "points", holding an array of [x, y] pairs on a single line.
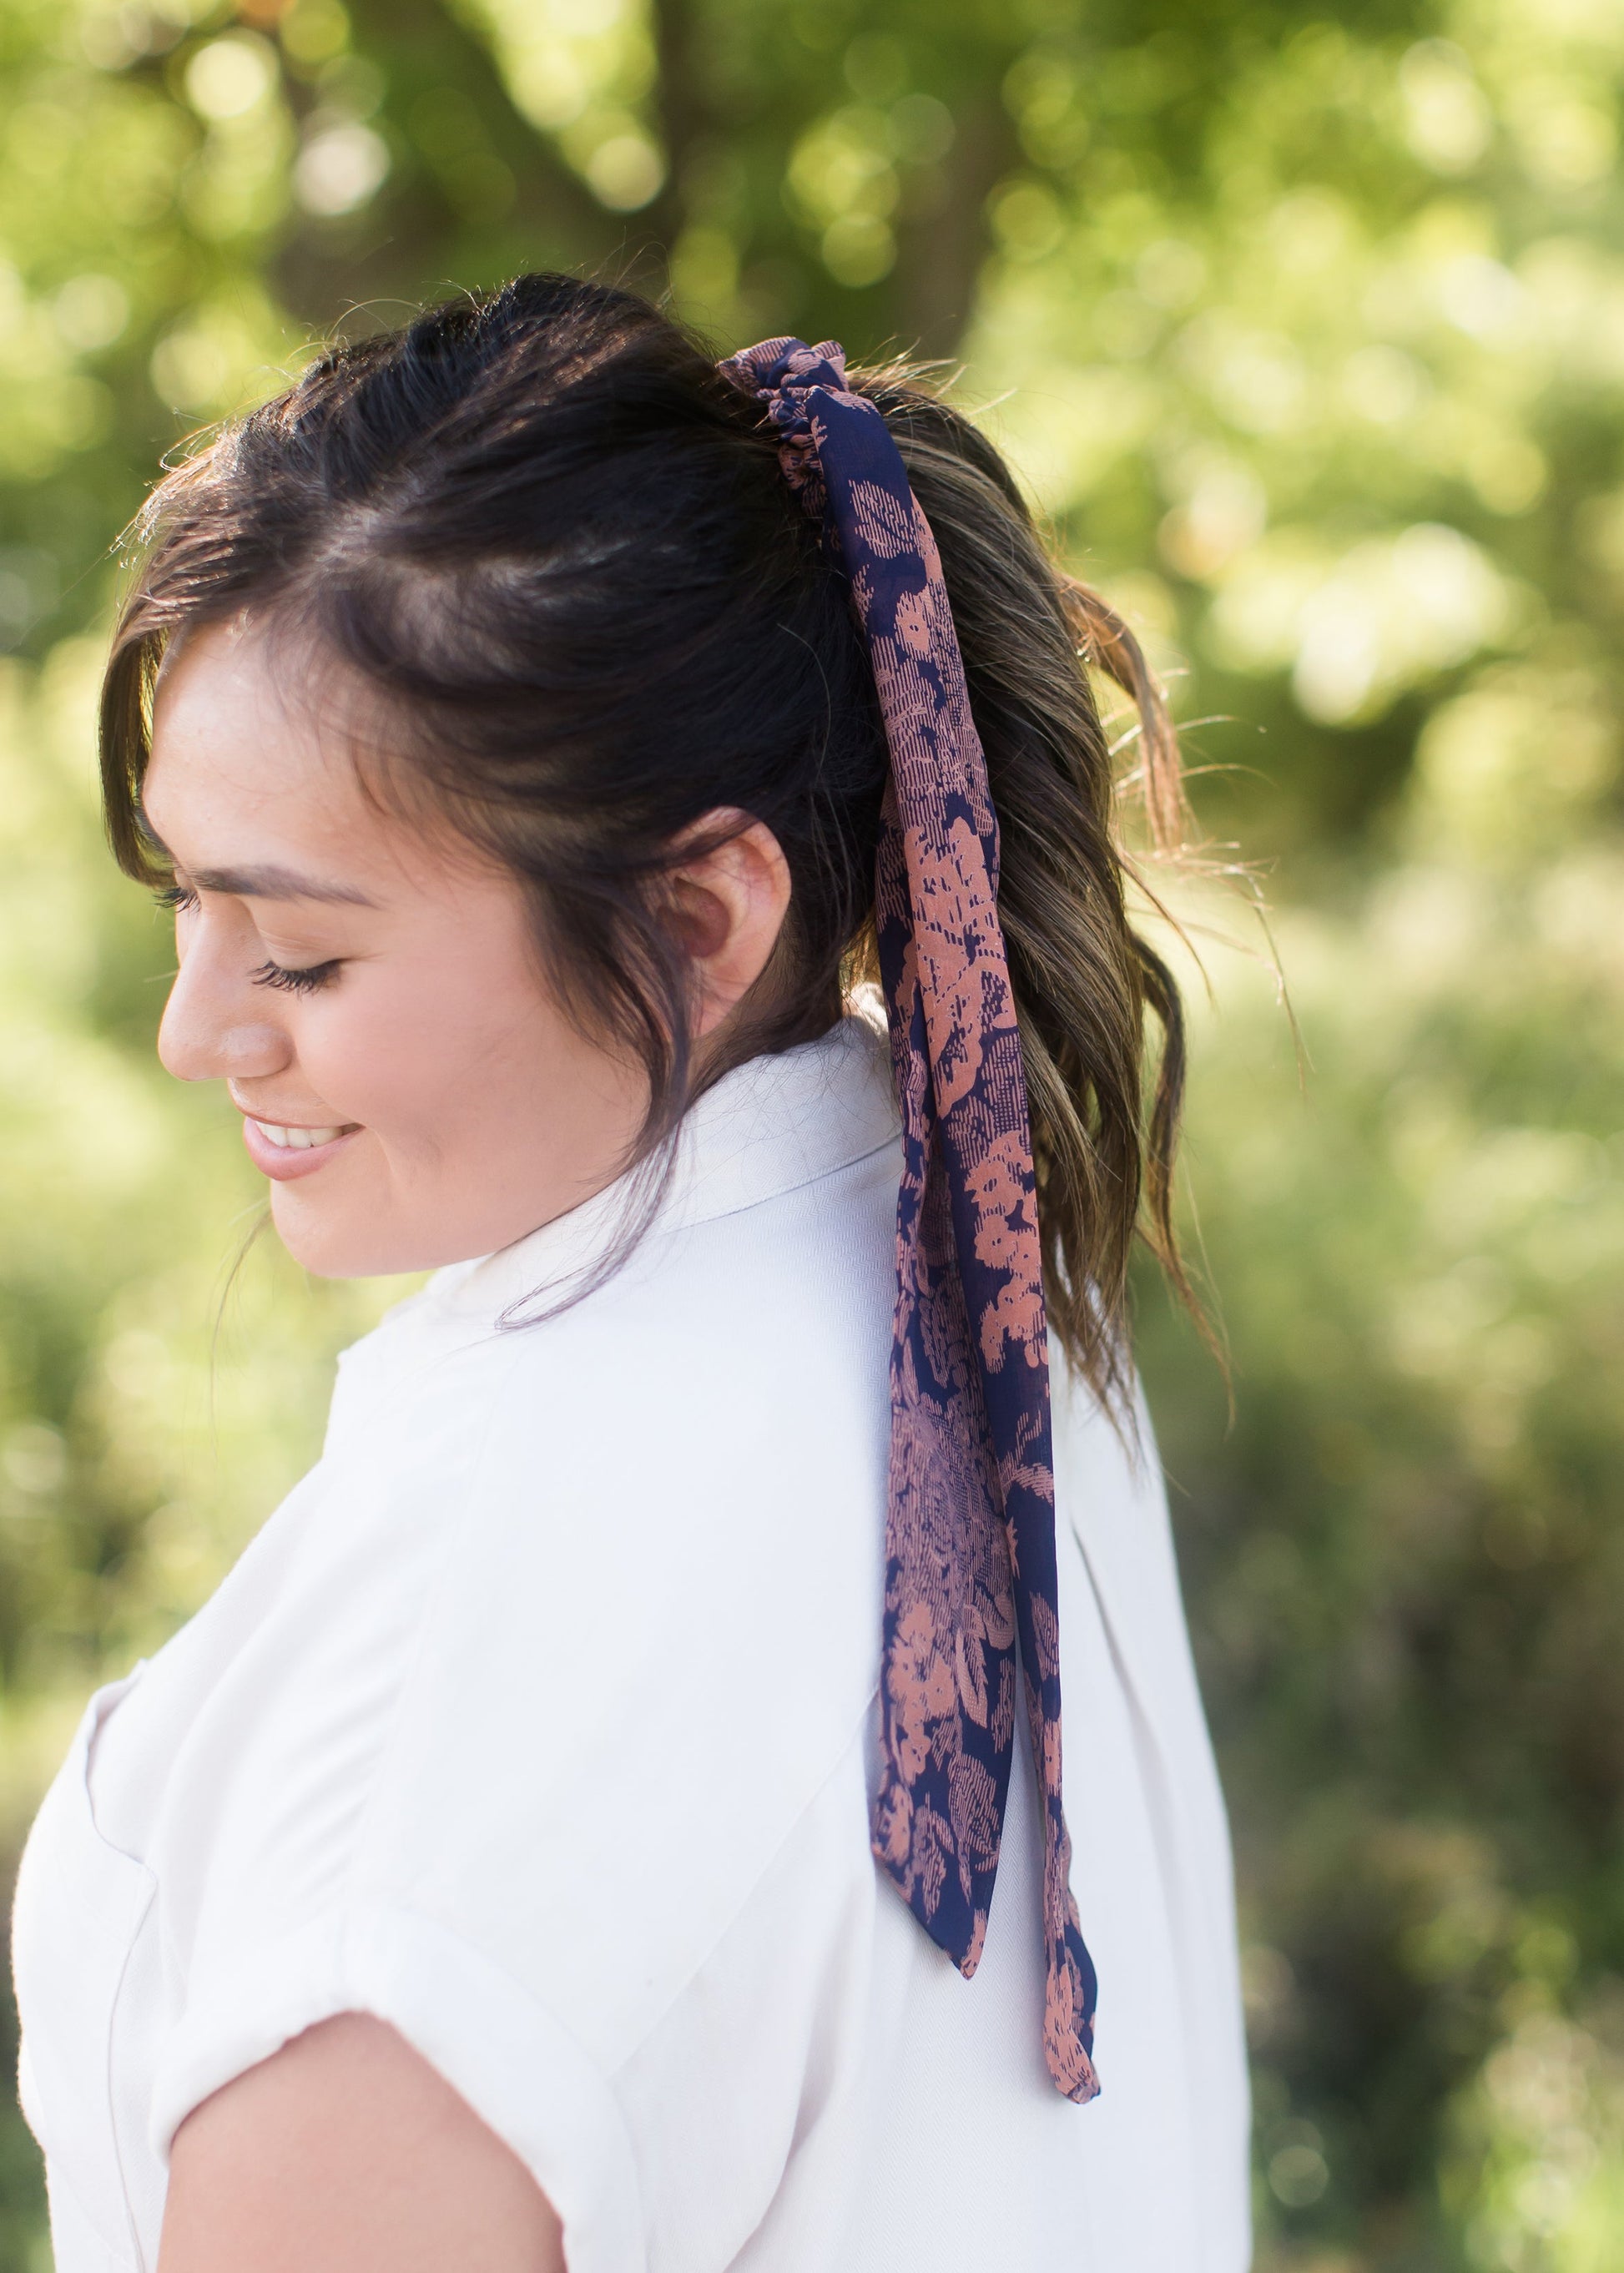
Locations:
{"points": [[1308, 335]]}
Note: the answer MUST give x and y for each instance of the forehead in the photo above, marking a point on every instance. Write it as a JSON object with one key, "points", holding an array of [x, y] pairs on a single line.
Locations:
{"points": [[255, 750], [235, 738]]}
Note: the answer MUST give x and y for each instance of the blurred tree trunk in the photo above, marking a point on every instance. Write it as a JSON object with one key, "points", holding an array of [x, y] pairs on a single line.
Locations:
{"points": [[684, 120], [941, 250], [513, 204]]}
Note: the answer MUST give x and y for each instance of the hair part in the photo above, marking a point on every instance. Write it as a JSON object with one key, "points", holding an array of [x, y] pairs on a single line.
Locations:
{"points": [[555, 543]]}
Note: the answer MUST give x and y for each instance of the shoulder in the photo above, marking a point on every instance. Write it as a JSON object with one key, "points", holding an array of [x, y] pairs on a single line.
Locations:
{"points": [[657, 1628]]}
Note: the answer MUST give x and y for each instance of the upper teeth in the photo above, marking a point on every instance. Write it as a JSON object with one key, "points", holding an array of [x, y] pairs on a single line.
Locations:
{"points": [[297, 1140]]}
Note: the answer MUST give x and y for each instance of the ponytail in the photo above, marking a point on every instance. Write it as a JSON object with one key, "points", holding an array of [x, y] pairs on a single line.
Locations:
{"points": [[1086, 984]]}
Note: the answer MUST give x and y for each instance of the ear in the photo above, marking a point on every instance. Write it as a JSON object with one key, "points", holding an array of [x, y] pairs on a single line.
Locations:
{"points": [[727, 907]]}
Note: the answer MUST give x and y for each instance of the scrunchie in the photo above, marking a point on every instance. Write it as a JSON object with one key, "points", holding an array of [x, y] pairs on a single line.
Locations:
{"points": [[970, 1529]]}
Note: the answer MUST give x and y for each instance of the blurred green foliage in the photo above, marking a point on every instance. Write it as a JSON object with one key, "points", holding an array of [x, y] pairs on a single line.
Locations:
{"points": [[1308, 334]]}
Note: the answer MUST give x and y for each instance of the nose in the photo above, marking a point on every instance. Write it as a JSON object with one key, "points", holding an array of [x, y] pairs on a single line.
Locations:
{"points": [[213, 1028]]}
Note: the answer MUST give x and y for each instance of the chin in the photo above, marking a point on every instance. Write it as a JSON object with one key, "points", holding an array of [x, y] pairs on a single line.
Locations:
{"points": [[326, 1252], [329, 1243], [331, 1240]]}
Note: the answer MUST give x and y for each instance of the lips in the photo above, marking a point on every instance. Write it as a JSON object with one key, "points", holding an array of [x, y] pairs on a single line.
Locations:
{"points": [[284, 1150]]}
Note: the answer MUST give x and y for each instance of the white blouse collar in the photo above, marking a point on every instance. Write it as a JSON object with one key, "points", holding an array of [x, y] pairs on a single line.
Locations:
{"points": [[765, 1127]]}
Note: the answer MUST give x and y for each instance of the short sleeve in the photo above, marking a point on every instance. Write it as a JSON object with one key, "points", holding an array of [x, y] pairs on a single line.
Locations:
{"points": [[517, 2068]]}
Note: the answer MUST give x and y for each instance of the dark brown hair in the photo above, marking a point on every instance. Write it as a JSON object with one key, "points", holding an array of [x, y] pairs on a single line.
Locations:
{"points": [[556, 545]]}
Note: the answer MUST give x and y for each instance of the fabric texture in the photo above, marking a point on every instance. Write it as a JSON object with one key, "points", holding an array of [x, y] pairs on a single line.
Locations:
{"points": [[970, 1529]]}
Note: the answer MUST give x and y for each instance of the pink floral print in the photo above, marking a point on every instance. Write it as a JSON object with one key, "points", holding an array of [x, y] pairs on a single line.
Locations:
{"points": [[971, 1581]]}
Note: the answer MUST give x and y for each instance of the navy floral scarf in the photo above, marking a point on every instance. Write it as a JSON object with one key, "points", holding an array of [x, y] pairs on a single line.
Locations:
{"points": [[970, 1536]]}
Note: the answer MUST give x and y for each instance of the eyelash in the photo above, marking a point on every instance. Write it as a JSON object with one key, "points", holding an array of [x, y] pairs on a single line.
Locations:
{"points": [[307, 980]]}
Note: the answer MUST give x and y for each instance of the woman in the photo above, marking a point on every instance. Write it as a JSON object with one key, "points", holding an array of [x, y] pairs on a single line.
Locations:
{"points": [[566, 1835]]}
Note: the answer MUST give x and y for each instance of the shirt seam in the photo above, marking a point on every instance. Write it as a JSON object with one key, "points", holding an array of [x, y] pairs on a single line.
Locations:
{"points": [[783, 1191]]}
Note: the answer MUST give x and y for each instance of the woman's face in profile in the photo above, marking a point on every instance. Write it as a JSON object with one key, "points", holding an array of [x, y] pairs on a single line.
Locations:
{"points": [[365, 984]]}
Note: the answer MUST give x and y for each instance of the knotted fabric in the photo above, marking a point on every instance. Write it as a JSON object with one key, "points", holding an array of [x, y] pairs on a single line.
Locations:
{"points": [[970, 1533]]}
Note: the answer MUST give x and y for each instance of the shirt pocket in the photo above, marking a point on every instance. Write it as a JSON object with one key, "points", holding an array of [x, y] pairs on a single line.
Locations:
{"points": [[80, 1904]]}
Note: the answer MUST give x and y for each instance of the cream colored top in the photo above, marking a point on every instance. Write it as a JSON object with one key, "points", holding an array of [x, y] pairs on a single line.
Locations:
{"points": [[539, 1721]]}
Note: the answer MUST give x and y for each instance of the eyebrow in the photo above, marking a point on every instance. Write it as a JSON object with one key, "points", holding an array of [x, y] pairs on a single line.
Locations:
{"points": [[269, 881], [265, 880]]}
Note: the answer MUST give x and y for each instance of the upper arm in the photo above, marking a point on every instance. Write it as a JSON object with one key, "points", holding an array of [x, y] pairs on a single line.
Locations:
{"points": [[347, 2153]]}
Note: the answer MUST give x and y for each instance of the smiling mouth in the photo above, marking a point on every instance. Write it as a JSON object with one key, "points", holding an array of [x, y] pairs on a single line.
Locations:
{"points": [[289, 1139]]}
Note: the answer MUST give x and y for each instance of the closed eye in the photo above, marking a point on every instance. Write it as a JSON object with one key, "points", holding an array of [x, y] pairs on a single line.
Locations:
{"points": [[305, 980]]}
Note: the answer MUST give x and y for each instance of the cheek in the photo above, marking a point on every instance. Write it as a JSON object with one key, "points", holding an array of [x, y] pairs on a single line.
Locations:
{"points": [[417, 1057]]}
